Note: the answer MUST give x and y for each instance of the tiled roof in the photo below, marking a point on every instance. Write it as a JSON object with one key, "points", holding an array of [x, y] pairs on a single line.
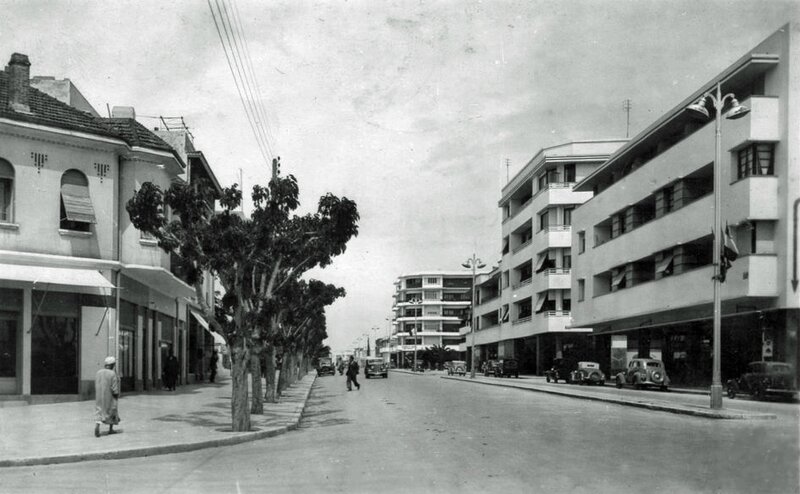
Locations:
{"points": [[46, 110], [134, 133]]}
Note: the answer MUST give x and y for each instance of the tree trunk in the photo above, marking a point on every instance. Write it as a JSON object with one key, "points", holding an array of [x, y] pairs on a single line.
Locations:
{"points": [[240, 413], [257, 402], [269, 356]]}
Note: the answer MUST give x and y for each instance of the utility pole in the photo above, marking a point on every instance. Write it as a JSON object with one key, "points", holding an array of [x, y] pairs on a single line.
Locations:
{"points": [[626, 105]]}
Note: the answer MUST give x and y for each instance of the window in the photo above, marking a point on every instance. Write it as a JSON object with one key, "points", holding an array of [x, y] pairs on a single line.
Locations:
{"points": [[544, 220], [6, 192], [568, 216], [756, 159], [432, 281], [618, 280], [414, 283], [668, 201], [77, 212], [581, 289], [569, 172], [431, 295], [581, 242], [665, 266], [566, 261]]}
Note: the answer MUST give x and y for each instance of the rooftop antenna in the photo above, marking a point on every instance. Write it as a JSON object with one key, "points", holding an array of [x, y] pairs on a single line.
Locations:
{"points": [[508, 165], [626, 105]]}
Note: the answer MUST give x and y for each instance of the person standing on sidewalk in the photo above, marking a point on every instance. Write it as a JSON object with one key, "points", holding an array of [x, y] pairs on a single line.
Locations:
{"points": [[352, 374], [106, 388], [212, 368], [171, 368]]}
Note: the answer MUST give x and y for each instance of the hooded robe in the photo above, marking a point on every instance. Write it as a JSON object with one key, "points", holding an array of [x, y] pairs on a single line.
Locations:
{"points": [[106, 386]]}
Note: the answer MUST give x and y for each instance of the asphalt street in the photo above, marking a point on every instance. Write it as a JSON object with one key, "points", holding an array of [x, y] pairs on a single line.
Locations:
{"points": [[418, 434]]}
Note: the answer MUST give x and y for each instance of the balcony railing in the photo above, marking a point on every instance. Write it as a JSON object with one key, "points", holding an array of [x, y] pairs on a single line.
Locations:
{"points": [[550, 271], [522, 283], [485, 300], [558, 228], [556, 313], [522, 320], [521, 246]]}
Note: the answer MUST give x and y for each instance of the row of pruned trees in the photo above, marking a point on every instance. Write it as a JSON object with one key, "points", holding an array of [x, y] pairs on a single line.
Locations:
{"points": [[259, 261]]}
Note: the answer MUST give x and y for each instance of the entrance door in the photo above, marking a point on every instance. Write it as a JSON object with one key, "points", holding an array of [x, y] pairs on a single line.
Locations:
{"points": [[54, 355], [8, 353]]}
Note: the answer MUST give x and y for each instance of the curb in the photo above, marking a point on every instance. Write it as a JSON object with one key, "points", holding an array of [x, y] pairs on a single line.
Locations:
{"points": [[167, 448], [662, 407]]}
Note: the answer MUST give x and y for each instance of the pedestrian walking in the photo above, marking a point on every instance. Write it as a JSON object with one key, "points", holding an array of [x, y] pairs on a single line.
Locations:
{"points": [[212, 370], [106, 388], [352, 374], [171, 368]]}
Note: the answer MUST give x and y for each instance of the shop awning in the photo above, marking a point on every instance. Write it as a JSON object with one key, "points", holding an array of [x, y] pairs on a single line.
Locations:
{"points": [[54, 276], [218, 339], [159, 279]]}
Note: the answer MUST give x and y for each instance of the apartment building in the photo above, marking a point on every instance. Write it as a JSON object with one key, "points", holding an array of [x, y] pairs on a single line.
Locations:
{"points": [[429, 309], [523, 307], [642, 245], [77, 281]]}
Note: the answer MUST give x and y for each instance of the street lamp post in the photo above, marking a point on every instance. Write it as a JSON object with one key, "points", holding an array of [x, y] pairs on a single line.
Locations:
{"points": [[418, 302], [736, 110], [473, 263]]}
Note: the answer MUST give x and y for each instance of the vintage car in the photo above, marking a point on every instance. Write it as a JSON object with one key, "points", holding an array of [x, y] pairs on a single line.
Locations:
{"points": [[764, 379], [587, 373], [644, 372], [325, 366], [560, 370], [506, 367], [376, 367], [456, 367]]}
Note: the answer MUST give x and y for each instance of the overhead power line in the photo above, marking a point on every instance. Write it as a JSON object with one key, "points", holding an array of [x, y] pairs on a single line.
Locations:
{"points": [[241, 67]]}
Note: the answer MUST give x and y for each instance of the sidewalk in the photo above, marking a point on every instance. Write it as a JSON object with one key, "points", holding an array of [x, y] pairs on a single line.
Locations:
{"points": [[672, 402], [193, 417]]}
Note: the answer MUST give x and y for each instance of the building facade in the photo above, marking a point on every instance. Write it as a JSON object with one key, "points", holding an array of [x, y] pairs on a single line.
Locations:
{"points": [[430, 308], [77, 281], [642, 245], [523, 307]]}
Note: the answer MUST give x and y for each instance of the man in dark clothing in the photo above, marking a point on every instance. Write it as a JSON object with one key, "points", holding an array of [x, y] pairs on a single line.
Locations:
{"points": [[212, 368], [171, 369], [352, 374]]}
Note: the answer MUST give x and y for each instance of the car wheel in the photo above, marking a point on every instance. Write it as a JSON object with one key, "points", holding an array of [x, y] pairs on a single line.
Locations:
{"points": [[731, 392]]}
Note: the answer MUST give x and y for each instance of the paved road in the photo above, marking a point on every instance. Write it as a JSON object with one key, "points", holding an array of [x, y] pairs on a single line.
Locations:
{"points": [[423, 434]]}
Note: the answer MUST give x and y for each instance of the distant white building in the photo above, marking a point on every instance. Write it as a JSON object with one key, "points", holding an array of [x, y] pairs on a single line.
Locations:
{"points": [[430, 307]]}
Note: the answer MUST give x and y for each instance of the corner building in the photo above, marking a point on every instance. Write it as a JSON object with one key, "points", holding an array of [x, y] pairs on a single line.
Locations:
{"points": [[642, 245], [523, 307]]}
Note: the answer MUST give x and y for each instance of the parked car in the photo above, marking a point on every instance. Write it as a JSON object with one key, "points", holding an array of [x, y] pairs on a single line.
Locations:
{"points": [[506, 367], [587, 373], [560, 370], [764, 379], [644, 372], [457, 367], [375, 367], [325, 366]]}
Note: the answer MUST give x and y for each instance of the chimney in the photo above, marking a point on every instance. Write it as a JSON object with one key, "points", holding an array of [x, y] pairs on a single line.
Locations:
{"points": [[18, 70], [123, 112]]}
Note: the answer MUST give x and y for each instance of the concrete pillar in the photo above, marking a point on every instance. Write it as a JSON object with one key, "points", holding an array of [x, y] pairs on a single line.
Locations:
{"points": [[25, 334], [539, 356]]}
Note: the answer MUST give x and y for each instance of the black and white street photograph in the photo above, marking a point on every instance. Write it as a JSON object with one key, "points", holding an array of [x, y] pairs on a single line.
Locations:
{"points": [[402, 246]]}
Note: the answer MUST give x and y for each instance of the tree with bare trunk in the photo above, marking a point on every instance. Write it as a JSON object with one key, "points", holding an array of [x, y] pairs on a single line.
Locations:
{"points": [[254, 258]]}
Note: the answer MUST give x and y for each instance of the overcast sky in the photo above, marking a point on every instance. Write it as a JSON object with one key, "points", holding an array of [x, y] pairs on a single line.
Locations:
{"points": [[410, 108]]}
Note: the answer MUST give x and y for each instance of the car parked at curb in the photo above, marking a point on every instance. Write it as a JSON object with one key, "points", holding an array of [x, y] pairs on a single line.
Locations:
{"points": [[560, 370], [587, 373], [763, 379], [457, 367], [506, 367], [644, 372]]}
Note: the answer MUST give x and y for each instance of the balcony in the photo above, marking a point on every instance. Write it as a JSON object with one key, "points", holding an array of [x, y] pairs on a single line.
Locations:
{"points": [[557, 279], [751, 198], [761, 124], [559, 193], [552, 321], [557, 236]]}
